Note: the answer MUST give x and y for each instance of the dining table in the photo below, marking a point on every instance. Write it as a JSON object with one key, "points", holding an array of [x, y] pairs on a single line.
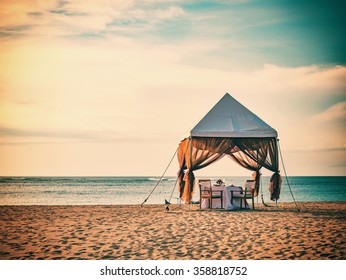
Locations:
{"points": [[229, 202]]}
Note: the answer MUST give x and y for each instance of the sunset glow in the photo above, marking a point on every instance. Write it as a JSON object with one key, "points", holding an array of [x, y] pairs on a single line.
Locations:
{"points": [[110, 87]]}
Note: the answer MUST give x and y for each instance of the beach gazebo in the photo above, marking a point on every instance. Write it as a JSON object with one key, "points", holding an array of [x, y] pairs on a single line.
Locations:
{"points": [[229, 129]]}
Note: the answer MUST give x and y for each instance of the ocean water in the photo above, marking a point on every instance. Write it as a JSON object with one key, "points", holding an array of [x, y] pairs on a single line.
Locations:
{"points": [[134, 190]]}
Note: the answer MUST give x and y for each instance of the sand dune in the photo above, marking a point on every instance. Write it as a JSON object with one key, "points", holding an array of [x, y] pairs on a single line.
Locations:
{"points": [[151, 233]]}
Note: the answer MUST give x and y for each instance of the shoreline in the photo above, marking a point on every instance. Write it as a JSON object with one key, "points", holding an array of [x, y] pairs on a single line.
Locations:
{"points": [[132, 232]]}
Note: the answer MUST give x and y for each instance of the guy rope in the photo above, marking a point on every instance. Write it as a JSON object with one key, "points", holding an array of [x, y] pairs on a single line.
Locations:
{"points": [[158, 182], [288, 183]]}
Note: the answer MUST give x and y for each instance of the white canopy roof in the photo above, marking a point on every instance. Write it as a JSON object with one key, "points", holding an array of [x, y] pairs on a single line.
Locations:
{"points": [[229, 118]]}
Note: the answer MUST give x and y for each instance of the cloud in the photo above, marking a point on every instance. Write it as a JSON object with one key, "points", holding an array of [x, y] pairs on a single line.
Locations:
{"points": [[15, 136], [319, 149], [67, 18], [312, 79], [335, 113], [24, 135], [169, 13], [339, 165], [14, 31]]}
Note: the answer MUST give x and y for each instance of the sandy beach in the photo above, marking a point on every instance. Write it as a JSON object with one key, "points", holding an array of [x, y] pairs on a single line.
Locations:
{"points": [[151, 233]]}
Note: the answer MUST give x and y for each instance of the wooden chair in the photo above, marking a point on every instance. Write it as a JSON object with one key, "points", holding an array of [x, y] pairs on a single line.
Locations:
{"points": [[247, 193], [206, 192]]}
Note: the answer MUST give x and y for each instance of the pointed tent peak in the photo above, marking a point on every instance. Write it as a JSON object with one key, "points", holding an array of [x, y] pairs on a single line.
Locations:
{"points": [[229, 118]]}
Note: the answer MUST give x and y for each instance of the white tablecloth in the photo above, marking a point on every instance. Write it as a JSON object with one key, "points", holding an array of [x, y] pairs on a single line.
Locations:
{"points": [[228, 204]]}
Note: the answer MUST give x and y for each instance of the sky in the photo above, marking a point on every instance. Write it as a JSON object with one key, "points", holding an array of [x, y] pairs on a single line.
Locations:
{"points": [[109, 88]]}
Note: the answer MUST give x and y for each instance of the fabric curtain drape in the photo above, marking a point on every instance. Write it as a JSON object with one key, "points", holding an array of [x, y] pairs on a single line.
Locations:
{"points": [[259, 150], [253, 153], [246, 162], [203, 152], [199, 152], [181, 154], [275, 186]]}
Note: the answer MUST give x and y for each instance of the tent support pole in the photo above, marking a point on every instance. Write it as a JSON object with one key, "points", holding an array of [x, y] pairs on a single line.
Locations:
{"points": [[189, 170], [277, 164]]}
